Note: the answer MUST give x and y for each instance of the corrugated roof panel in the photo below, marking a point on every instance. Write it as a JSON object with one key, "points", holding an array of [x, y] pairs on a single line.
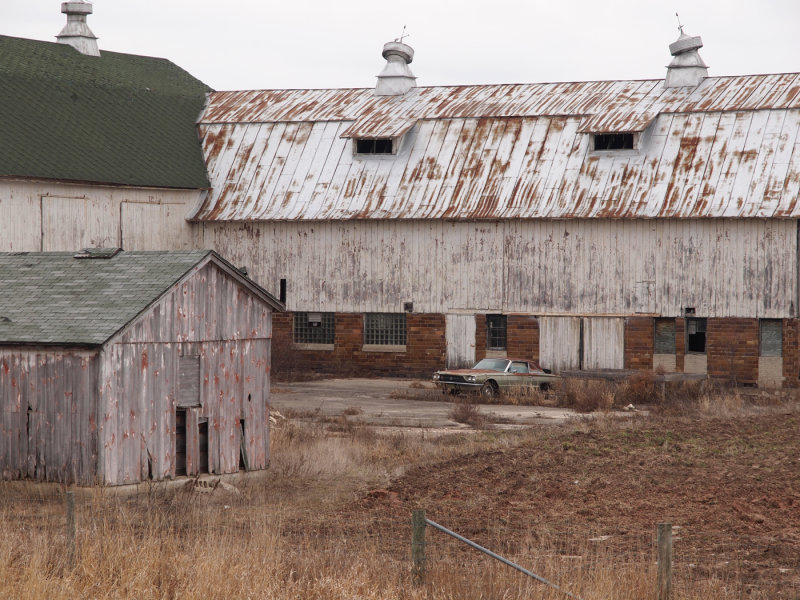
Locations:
{"points": [[487, 152]]}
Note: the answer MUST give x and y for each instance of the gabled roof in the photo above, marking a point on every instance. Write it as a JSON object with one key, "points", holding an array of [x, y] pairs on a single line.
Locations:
{"points": [[59, 298], [117, 118], [723, 149]]}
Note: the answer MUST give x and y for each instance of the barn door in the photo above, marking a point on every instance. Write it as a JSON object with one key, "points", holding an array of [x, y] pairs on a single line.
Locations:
{"points": [[560, 343], [460, 340], [571, 343], [603, 343]]}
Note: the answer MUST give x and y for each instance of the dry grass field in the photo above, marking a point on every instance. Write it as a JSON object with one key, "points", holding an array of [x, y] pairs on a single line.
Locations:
{"points": [[576, 503]]}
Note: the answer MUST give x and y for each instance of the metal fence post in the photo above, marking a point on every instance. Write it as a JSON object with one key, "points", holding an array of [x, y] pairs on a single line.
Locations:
{"points": [[71, 529], [418, 524], [664, 582]]}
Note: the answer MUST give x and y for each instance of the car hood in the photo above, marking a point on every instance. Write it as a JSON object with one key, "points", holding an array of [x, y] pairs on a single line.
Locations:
{"points": [[468, 371]]}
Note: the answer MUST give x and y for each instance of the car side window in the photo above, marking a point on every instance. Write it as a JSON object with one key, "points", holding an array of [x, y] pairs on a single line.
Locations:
{"points": [[519, 367]]}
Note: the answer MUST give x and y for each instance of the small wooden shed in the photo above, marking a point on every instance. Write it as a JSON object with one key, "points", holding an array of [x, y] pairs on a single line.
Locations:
{"points": [[120, 367]]}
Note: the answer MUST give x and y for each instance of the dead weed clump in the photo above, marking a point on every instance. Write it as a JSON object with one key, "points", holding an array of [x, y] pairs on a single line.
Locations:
{"points": [[468, 413], [587, 396]]}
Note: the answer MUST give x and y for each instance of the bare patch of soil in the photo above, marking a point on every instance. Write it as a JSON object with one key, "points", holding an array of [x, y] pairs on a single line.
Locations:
{"points": [[730, 486]]}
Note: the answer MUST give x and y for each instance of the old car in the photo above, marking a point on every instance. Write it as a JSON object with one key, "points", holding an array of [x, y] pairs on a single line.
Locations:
{"points": [[491, 376]]}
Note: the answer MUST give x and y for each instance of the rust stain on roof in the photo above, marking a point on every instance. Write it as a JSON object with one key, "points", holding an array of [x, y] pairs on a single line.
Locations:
{"points": [[501, 151]]}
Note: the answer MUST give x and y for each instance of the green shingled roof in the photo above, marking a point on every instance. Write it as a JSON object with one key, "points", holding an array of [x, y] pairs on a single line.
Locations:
{"points": [[117, 118], [55, 298]]}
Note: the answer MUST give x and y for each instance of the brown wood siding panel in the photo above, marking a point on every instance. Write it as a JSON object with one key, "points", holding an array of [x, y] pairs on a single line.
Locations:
{"points": [[55, 440]]}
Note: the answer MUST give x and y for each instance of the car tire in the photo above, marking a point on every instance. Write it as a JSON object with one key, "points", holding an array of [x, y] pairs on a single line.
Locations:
{"points": [[544, 387], [489, 390]]}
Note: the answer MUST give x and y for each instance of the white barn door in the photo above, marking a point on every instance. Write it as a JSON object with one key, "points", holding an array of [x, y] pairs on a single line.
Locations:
{"points": [[460, 341], [603, 343], [560, 343]]}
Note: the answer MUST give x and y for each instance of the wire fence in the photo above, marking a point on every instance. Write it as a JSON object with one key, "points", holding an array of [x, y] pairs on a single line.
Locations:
{"points": [[579, 560]]}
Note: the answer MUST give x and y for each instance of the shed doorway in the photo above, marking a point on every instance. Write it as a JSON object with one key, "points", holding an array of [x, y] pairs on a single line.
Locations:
{"points": [[180, 442]]}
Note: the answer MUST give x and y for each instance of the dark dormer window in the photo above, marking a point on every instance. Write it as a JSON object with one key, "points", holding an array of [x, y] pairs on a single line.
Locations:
{"points": [[613, 141], [375, 146]]}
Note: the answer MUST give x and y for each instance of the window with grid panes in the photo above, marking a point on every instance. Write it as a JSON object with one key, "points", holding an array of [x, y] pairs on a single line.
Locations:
{"points": [[385, 329], [313, 328], [771, 337], [664, 341], [496, 332]]}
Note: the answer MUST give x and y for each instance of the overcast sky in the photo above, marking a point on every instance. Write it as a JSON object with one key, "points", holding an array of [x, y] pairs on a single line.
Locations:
{"points": [[260, 44]]}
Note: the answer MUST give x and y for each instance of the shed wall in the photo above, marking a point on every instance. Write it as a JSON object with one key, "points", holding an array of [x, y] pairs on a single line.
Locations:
{"points": [[209, 315], [720, 267], [48, 415]]}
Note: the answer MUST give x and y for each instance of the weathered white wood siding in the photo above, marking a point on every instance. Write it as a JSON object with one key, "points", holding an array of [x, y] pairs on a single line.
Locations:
{"points": [[603, 343], [59, 216], [460, 340], [721, 267], [560, 343], [207, 314], [48, 414]]}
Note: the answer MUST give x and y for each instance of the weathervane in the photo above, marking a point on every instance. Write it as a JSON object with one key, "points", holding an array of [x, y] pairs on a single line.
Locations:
{"points": [[403, 35], [680, 27]]}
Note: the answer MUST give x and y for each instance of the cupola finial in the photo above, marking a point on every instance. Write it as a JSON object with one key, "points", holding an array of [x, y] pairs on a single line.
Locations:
{"points": [[396, 78], [687, 69]]}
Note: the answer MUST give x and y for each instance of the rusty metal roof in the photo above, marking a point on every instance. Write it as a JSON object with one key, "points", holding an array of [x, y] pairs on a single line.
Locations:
{"points": [[723, 149]]}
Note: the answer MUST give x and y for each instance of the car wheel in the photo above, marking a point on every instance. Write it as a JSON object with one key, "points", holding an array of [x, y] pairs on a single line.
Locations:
{"points": [[544, 387], [489, 390]]}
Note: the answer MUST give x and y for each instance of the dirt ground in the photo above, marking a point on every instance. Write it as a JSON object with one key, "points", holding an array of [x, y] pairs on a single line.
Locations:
{"points": [[730, 487]]}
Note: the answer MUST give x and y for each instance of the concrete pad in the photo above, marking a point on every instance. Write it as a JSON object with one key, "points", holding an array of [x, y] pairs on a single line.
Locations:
{"points": [[391, 402]]}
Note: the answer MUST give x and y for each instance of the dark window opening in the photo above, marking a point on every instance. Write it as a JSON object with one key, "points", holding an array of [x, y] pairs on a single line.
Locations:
{"points": [[496, 332], [696, 335], [385, 329], [613, 141], [771, 337], [180, 442], [664, 342], [374, 146], [314, 328], [282, 296]]}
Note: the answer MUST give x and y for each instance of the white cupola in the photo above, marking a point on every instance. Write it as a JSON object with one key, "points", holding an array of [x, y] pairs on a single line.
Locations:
{"points": [[687, 69], [76, 32], [396, 78]]}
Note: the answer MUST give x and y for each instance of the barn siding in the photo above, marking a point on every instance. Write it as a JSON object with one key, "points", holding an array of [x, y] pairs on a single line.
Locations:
{"points": [[721, 267], [38, 216], [210, 315], [48, 415]]}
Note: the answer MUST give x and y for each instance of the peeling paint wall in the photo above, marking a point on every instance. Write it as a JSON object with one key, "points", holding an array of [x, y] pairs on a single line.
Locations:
{"points": [[59, 216], [720, 267], [48, 414], [210, 316], [108, 416]]}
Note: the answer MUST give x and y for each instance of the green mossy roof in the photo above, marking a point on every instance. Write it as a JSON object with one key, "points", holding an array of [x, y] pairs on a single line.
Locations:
{"points": [[117, 118]]}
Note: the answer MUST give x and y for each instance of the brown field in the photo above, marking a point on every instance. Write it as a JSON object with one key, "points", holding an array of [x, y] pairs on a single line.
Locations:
{"points": [[576, 503]]}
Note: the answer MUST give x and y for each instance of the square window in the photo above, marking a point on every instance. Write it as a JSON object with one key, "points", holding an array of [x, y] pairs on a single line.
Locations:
{"points": [[375, 146], [696, 336], [664, 342], [314, 328], [613, 141], [496, 332], [770, 337], [385, 329]]}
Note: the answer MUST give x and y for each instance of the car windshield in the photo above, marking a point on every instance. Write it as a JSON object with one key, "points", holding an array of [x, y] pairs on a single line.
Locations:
{"points": [[492, 364]]}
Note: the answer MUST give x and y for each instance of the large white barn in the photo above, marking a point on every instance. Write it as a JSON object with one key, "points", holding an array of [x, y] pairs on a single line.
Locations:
{"points": [[609, 224]]}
